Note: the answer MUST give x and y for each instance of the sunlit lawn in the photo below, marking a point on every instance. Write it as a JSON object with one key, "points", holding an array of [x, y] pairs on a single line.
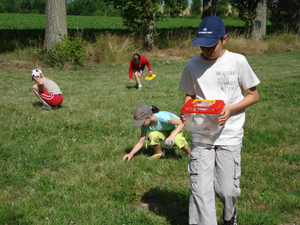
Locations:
{"points": [[65, 166]]}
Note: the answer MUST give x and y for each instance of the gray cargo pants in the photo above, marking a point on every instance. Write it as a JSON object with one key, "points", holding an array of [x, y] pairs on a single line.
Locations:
{"points": [[213, 170]]}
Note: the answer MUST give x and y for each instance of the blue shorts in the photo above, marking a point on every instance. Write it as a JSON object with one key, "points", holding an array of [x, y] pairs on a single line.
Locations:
{"points": [[142, 68]]}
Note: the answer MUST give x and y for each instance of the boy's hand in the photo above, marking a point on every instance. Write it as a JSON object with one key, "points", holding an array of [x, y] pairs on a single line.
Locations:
{"points": [[131, 81], [182, 118], [224, 115]]}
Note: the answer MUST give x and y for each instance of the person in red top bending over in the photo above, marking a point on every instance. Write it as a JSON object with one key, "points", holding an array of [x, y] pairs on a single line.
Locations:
{"points": [[136, 67]]}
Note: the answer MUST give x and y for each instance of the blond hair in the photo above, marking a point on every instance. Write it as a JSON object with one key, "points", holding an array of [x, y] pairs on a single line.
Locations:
{"points": [[42, 76]]}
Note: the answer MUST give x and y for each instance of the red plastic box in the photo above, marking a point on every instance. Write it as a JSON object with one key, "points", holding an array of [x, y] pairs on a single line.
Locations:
{"points": [[202, 115]]}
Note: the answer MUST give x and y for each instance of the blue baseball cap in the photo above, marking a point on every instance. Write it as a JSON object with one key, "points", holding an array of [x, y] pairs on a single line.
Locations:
{"points": [[210, 30]]}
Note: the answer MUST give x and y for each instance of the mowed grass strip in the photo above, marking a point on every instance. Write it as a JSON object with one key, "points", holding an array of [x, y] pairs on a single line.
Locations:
{"points": [[37, 21], [65, 165]]}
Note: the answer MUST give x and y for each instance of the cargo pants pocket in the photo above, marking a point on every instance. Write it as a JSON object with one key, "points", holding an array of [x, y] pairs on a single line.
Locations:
{"points": [[237, 174], [193, 167]]}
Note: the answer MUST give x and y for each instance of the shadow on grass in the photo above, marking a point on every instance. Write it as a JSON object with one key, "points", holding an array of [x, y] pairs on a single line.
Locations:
{"points": [[40, 104], [173, 205], [130, 87], [149, 151], [12, 217], [37, 104]]}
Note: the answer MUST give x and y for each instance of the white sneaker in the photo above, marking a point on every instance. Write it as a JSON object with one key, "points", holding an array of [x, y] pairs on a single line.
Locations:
{"points": [[140, 87]]}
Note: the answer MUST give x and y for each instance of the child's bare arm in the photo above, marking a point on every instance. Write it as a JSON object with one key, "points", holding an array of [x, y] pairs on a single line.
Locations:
{"points": [[251, 98], [137, 146], [177, 130], [40, 84]]}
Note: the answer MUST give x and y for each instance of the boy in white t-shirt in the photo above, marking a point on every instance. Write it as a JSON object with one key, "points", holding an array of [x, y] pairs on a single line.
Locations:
{"points": [[215, 158]]}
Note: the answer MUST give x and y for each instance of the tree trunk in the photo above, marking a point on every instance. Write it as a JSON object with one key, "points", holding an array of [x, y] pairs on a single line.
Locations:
{"points": [[56, 22], [259, 23], [209, 8], [149, 39]]}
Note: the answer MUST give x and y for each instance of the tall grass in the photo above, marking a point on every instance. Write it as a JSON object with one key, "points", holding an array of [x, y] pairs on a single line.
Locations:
{"points": [[285, 42], [109, 48], [273, 43], [178, 45]]}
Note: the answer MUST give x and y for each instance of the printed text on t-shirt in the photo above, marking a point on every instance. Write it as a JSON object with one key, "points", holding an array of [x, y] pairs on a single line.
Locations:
{"points": [[224, 81]]}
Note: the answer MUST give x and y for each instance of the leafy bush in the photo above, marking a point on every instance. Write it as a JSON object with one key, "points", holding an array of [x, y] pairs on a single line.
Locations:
{"points": [[35, 11], [222, 11], [196, 7], [285, 14], [2, 8], [70, 49]]}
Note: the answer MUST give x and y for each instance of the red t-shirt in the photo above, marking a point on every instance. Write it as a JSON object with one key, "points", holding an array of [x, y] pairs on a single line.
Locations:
{"points": [[143, 61]]}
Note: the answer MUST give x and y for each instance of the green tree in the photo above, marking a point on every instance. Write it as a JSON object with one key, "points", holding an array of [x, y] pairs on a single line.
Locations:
{"points": [[175, 7], [286, 14], [222, 8], [11, 6], [2, 8], [86, 7], [140, 17], [70, 9], [209, 8], [254, 14], [39, 5], [26, 5], [196, 7], [246, 9], [111, 11]]}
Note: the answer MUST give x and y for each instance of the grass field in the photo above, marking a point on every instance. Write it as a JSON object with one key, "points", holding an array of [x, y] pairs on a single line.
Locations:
{"points": [[35, 21], [65, 166]]}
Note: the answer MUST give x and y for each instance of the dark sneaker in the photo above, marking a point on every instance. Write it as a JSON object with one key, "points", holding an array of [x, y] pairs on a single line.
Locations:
{"points": [[233, 220], [45, 107]]}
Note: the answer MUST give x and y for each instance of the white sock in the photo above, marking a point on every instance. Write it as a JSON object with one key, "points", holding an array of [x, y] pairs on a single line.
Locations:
{"points": [[140, 85]]}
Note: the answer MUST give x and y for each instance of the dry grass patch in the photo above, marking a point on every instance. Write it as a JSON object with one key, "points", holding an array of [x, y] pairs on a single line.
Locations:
{"points": [[176, 53], [109, 48], [274, 43], [245, 46]]}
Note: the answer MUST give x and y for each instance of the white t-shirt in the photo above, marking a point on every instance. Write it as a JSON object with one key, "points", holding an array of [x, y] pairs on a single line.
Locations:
{"points": [[225, 79]]}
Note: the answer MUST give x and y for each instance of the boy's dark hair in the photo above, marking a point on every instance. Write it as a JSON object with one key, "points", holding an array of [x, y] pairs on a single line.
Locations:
{"points": [[222, 38], [136, 58], [154, 109]]}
